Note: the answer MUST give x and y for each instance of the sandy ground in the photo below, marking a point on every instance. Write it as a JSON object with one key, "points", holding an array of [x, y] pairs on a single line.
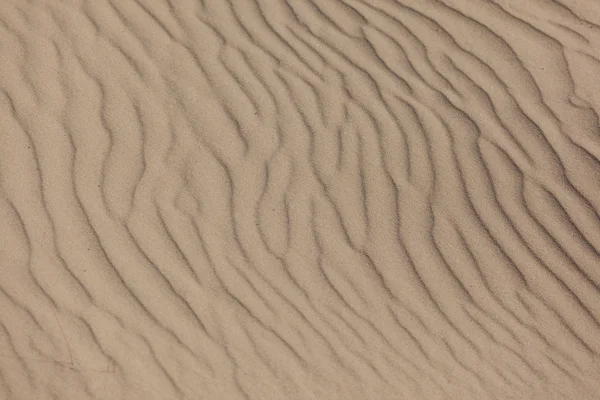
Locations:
{"points": [[299, 199]]}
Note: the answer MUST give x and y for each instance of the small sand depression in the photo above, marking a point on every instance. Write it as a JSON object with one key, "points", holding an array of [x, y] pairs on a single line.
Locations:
{"points": [[299, 200]]}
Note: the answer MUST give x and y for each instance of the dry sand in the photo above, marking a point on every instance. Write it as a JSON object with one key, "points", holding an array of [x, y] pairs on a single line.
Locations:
{"points": [[299, 199]]}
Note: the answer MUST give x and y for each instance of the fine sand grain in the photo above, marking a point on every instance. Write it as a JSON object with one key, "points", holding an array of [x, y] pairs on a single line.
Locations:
{"points": [[299, 199]]}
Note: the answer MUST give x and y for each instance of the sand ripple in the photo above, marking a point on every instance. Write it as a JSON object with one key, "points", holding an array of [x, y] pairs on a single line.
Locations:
{"points": [[299, 199]]}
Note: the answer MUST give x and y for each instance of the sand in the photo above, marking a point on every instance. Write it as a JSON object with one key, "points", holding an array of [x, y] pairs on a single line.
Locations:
{"points": [[299, 200]]}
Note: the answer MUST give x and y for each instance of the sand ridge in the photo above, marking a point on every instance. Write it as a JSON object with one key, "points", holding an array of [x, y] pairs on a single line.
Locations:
{"points": [[299, 199]]}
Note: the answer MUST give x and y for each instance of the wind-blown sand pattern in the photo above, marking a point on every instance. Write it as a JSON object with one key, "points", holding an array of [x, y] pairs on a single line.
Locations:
{"points": [[299, 199]]}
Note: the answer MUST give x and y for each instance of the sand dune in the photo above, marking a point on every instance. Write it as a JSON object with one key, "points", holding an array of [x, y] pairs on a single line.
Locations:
{"points": [[299, 199]]}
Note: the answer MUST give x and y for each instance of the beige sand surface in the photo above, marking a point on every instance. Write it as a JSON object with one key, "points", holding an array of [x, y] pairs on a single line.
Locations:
{"points": [[299, 199]]}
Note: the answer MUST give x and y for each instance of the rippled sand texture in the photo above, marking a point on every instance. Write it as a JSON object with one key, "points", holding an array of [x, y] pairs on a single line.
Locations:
{"points": [[299, 199]]}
